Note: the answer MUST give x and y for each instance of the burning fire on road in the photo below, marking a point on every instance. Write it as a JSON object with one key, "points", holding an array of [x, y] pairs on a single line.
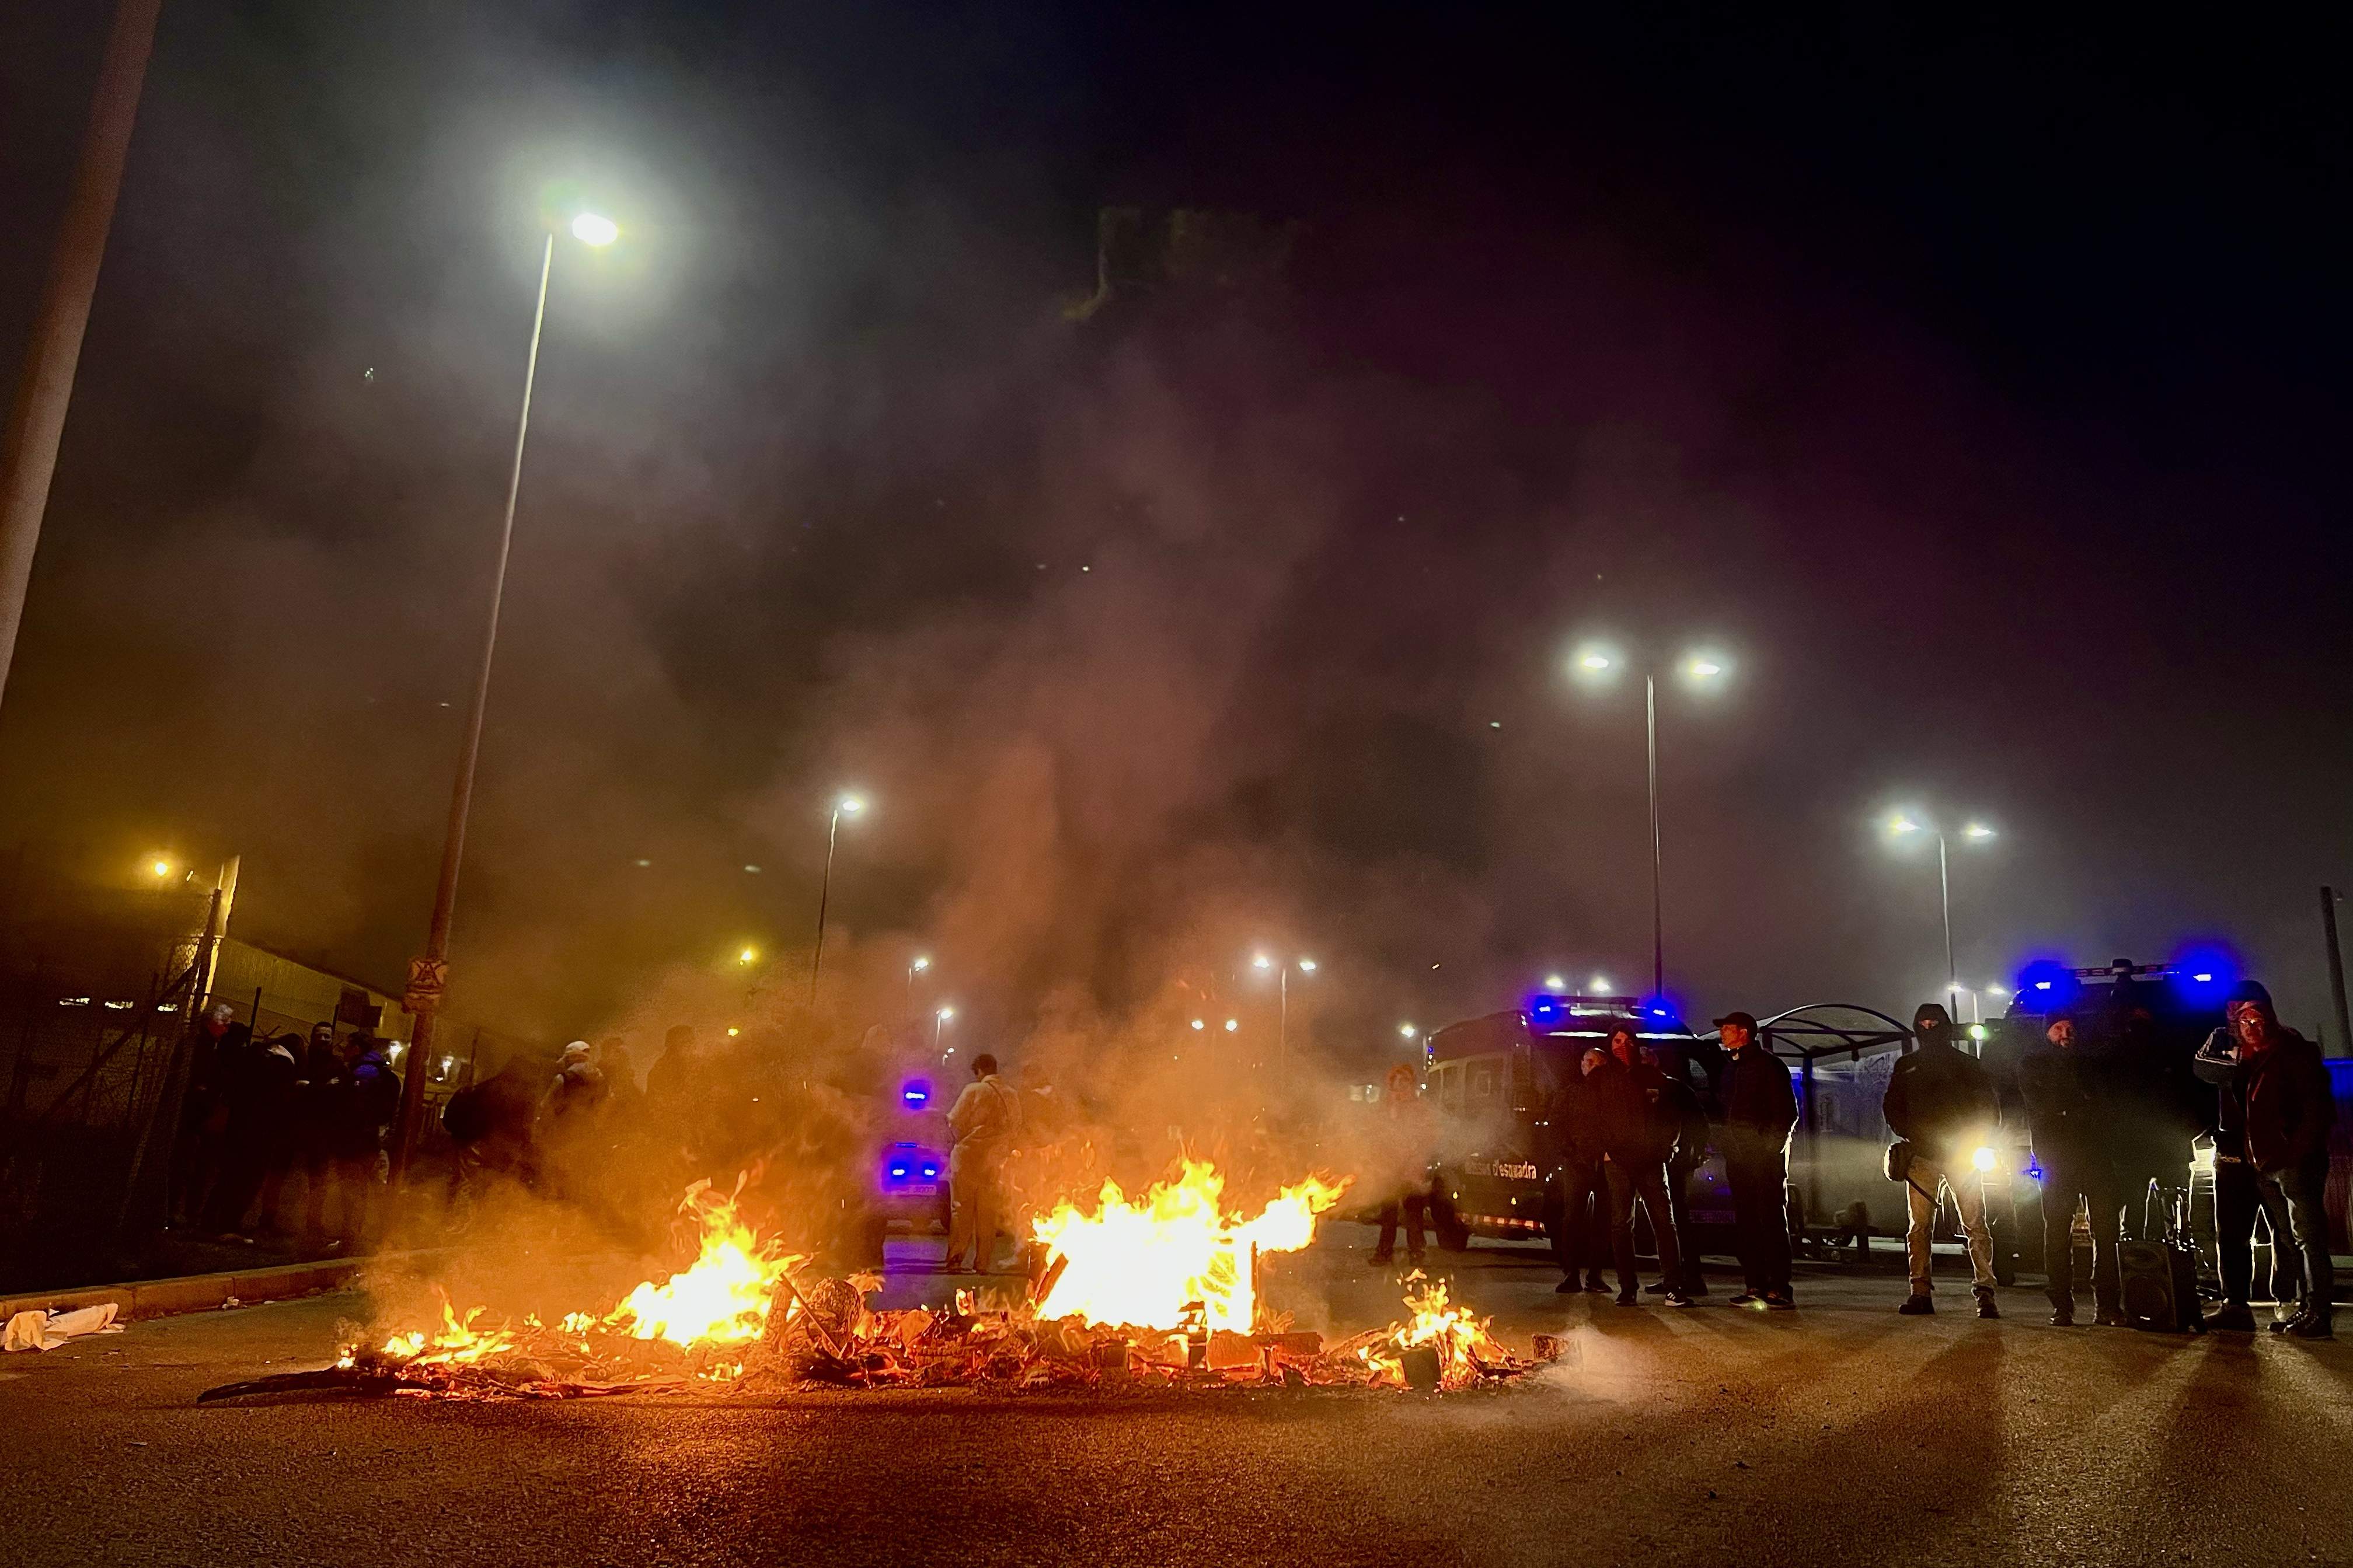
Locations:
{"points": [[1158, 1290]]}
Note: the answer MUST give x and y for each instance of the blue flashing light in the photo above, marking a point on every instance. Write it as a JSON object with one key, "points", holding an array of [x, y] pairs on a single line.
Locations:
{"points": [[2204, 972], [931, 1171], [915, 1093], [898, 1170], [2047, 980]]}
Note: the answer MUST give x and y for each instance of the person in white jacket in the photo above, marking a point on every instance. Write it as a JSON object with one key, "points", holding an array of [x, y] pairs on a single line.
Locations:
{"points": [[985, 1116]]}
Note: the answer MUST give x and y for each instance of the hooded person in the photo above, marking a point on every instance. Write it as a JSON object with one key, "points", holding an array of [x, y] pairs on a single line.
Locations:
{"points": [[2070, 1100], [2272, 1087], [2237, 1198], [1942, 1107], [1637, 1127]]}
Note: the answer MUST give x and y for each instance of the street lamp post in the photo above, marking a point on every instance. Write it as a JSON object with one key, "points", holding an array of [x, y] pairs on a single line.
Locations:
{"points": [[915, 967], [939, 1025], [848, 805], [1282, 1001], [428, 975], [1904, 823], [1702, 670]]}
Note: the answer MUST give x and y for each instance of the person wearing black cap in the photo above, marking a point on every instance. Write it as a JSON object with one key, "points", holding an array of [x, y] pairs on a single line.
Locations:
{"points": [[2069, 1114], [1760, 1110], [1941, 1104], [2279, 1096]]}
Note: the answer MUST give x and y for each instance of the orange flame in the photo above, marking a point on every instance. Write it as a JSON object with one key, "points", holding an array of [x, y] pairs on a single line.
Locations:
{"points": [[722, 1298], [1139, 1262], [1457, 1335]]}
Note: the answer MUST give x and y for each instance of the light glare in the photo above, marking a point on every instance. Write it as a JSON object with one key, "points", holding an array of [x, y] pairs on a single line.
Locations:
{"points": [[594, 230]]}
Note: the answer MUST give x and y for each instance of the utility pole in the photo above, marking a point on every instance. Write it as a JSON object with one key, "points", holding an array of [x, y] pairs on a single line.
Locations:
{"points": [[2336, 968], [37, 420]]}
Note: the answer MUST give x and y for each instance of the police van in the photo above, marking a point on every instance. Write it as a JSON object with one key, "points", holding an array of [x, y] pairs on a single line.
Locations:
{"points": [[1493, 1082]]}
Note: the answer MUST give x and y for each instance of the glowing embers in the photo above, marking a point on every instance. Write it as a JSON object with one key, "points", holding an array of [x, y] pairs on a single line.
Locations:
{"points": [[1144, 1262]]}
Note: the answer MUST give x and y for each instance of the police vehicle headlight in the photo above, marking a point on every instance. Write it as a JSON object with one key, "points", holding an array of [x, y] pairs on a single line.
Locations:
{"points": [[1984, 1159]]}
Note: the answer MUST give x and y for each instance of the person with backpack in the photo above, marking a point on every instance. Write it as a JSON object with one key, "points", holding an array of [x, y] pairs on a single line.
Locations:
{"points": [[1942, 1107], [986, 1117]]}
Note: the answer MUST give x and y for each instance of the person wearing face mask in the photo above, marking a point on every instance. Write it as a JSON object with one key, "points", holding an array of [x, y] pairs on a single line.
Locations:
{"points": [[2273, 1090], [1941, 1104]]}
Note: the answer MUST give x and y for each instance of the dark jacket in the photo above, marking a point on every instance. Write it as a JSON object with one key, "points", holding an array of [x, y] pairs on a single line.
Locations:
{"points": [[1637, 1119], [367, 1101], [264, 1101], [1940, 1098], [1576, 1115], [2217, 1063], [2288, 1106], [1683, 1106], [2070, 1102], [1758, 1103]]}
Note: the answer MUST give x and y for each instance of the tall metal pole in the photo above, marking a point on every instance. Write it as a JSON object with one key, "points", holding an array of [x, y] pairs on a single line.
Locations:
{"points": [[824, 895], [461, 793], [1945, 896], [37, 421], [1282, 1018], [1658, 918], [2336, 969]]}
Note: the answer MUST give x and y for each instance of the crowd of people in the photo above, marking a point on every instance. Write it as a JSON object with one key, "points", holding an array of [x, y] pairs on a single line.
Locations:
{"points": [[2108, 1129], [265, 1118]]}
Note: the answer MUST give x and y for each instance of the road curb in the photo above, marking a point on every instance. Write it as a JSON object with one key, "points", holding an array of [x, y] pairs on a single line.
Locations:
{"points": [[203, 1292]]}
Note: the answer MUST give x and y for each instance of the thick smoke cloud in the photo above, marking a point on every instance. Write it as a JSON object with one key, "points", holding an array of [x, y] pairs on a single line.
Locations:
{"points": [[1209, 621]]}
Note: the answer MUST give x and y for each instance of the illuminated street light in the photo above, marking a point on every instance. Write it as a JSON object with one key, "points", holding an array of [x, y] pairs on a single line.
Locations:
{"points": [[1554, 983], [843, 805], [160, 866], [1197, 1024], [1407, 1031], [747, 955], [1703, 669], [915, 965], [940, 1017], [592, 230], [1904, 825], [1599, 985], [1232, 1024], [1282, 992]]}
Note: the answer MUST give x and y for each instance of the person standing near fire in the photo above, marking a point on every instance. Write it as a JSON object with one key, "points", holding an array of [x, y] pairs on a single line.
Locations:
{"points": [[1404, 1145], [985, 1118]]}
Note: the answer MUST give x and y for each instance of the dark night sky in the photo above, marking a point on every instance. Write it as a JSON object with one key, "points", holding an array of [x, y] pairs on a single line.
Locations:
{"points": [[1976, 382]]}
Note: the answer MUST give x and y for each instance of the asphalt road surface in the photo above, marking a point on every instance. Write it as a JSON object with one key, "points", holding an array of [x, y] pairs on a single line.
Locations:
{"points": [[1838, 1433]]}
